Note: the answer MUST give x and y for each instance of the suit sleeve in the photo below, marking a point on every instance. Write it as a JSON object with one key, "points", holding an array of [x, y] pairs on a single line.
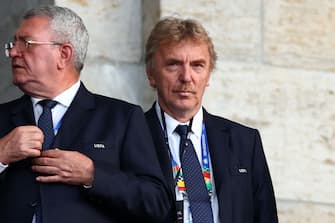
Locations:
{"points": [[264, 199], [137, 190]]}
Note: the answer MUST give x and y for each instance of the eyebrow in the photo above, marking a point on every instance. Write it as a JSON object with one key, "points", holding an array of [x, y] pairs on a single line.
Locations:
{"points": [[199, 61], [19, 37], [173, 60], [22, 36]]}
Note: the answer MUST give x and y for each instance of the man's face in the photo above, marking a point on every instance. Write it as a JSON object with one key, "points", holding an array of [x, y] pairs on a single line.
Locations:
{"points": [[34, 67], [180, 72]]}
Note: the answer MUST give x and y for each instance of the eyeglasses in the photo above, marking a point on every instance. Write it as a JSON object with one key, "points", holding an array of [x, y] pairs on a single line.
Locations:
{"points": [[23, 44]]}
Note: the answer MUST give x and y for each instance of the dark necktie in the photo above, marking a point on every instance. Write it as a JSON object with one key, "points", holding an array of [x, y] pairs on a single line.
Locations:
{"points": [[45, 122], [46, 125], [199, 199]]}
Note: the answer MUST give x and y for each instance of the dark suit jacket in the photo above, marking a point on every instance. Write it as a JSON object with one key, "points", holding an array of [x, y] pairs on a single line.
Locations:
{"points": [[243, 196], [128, 184]]}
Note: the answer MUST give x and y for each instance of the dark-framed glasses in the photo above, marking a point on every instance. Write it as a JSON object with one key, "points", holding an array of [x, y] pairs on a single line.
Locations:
{"points": [[23, 44]]}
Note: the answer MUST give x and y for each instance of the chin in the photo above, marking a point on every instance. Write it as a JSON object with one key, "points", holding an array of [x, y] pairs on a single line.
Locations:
{"points": [[185, 107], [18, 81], [21, 83], [21, 77]]}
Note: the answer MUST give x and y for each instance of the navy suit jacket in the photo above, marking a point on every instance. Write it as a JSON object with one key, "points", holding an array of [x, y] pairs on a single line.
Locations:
{"points": [[128, 183], [242, 179]]}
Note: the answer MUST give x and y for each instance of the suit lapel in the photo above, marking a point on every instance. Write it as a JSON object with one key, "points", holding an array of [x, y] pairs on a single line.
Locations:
{"points": [[23, 113], [220, 150], [161, 147], [75, 117]]}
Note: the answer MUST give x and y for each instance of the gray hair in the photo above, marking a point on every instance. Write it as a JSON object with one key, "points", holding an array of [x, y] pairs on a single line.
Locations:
{"points": [[68, 27]]}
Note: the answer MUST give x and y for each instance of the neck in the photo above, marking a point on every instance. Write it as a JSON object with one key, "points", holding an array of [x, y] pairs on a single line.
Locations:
{"points": [[48, 92], [181, 116]]}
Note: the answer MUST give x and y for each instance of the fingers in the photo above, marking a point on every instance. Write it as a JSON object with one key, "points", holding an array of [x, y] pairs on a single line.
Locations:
{"points": [[46, 170], [31, 153], [53, 153], [62, 166], [45, 161], [22, 142], [49, 163], [52, 174], [49, 179], [51, 167]]}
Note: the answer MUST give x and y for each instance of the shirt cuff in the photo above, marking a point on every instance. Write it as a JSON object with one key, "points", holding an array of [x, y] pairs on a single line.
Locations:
{"points": [[87, 186], [2, 167]]}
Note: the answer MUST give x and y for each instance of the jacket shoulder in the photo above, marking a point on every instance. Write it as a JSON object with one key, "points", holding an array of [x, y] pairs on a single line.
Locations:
{"points": [[5, 107], [115, 106], [228, 124]]}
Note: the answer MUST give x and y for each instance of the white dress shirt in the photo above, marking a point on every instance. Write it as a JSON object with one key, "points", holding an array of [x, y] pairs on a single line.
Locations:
{"points": [[64, 100], [195, 137], [2, 167]]}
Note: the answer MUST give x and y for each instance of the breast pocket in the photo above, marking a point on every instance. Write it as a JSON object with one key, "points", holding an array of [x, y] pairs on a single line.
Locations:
{"points": [[239, 171], [240, 176], [103, 152]]}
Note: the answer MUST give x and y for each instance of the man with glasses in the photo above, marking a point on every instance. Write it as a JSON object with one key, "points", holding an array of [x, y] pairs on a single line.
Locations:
{"points": [[67, 155]]}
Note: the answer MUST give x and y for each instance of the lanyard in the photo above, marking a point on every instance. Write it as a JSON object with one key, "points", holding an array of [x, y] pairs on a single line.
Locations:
{"points": [[56, 128], [177, 170]]}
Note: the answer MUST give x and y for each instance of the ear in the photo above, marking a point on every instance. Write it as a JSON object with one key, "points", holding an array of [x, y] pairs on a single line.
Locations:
{"points": [[66, 52], [150, 75], [209, 79]]}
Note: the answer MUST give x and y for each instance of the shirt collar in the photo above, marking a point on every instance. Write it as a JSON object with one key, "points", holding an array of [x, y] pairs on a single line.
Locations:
{"points": [[65, 98], [172, 123]]}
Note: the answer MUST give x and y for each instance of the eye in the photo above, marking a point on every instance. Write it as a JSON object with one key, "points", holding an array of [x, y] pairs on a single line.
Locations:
{"points": [[172, 65], [22, 41], [26, 43], [198, 66]]}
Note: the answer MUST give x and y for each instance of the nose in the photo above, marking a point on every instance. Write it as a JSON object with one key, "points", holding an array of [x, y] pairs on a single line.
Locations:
{"points": [[13, 52], [186, 73], [12, 49]]}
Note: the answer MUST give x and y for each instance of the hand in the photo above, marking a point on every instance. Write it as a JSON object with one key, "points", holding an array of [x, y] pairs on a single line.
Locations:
{"points": [[61, 166], [21, 143]]}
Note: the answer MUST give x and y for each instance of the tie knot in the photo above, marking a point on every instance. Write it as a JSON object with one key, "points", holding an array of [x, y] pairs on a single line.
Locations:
{"points": [[182, 130], [47, 103]]}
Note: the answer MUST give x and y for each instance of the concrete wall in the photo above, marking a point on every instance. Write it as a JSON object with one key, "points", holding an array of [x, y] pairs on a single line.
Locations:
{"points": [[276, 72], [114, 64]]}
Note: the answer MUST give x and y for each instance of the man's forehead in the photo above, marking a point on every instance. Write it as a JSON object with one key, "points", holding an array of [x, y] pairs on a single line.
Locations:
{"points": [[33, 25], [184, 47], [36, 22], [183, 42]]}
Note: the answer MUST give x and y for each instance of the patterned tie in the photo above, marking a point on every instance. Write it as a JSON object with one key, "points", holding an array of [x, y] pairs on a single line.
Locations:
{"points": [[199, 199], [45, 122], [46, 125]]}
